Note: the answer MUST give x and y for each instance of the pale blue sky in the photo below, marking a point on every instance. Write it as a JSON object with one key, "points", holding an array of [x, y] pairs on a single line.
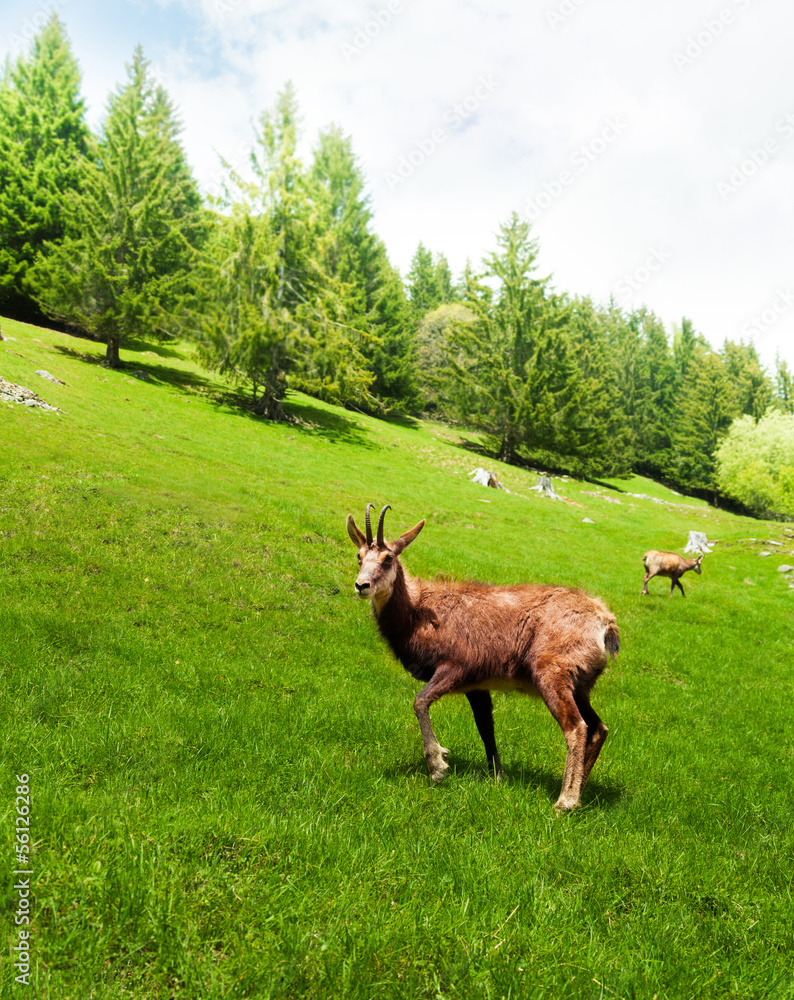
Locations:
{"points": [[651, 144]]}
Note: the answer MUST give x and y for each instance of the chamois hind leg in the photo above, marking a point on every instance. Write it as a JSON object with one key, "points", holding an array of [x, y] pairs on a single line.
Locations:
{"points": [[482, 706], [597, 733], [648, 576], [435, 754], [560, 702]]}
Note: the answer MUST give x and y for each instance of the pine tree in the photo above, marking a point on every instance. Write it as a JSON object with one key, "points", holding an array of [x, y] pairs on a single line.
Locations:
{"points": [[44, 150], [123, 265]]}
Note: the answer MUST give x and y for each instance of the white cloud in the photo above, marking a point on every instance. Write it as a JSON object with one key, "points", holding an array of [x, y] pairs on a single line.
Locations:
{"points": [[655, 185]]}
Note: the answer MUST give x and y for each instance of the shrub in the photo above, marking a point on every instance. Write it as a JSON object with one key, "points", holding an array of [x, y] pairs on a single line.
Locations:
{"points": [[755, 464]]}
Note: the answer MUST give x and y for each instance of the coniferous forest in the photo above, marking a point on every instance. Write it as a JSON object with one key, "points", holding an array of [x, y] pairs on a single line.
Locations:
{"points": [[283, 285]]}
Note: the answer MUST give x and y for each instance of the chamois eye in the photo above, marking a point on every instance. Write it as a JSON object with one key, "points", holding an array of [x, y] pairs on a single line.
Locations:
{"points": [[388, 558]]}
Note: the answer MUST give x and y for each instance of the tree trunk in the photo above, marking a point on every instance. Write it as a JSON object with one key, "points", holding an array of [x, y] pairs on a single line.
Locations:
{"points": [[507, 452], [112, 354], [273, 394]]}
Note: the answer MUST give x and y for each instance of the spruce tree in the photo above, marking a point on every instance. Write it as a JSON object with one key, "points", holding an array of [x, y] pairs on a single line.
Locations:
{"points": [[784, 386], [429, 282], [355, 259], [269, 312], [44, 149], [131, 233], [754, 388], [708, 406], [518, 378]]}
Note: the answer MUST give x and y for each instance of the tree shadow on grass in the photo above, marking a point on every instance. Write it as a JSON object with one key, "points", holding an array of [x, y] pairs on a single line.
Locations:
{"points": [[333, 427], [144, 347], [304, 417]]}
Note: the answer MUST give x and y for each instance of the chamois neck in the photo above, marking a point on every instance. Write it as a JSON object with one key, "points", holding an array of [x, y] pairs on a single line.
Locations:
{"points": [[398, 598]]}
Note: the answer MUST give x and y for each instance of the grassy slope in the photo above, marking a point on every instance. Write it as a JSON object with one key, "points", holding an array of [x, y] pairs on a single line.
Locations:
{"points": [[229, 793]]}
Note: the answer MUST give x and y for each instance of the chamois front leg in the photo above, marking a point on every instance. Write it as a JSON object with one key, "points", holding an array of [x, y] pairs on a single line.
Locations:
{"points": [[648, 576], [677, 583], [435, 754]]}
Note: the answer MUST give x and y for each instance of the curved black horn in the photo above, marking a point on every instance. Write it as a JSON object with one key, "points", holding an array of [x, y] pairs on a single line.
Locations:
{"points": [[381, 543], [368, 525]]}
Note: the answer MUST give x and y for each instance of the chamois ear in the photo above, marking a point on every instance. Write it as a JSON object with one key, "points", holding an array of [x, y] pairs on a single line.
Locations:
{"points": [[356, 535], [405, 539]]}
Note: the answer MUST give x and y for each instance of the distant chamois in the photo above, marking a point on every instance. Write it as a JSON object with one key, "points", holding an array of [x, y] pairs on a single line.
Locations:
{"points": [[667, 564], [471, 638]]}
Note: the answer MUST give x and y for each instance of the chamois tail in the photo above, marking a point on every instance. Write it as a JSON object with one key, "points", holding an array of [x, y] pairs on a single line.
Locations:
{"points": [[612, 639]]}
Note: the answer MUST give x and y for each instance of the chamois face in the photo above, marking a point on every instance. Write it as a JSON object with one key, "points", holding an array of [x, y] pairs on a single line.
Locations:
{"points": [[377, 571], [696, 567], [378, 559]]}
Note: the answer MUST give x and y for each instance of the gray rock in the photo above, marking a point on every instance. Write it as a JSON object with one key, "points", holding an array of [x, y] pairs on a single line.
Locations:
{"points": [[785, 568], [47, 375]]}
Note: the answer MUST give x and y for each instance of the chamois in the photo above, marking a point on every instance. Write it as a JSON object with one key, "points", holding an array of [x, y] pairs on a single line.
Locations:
{"points": [[472, 638], [667, 564]]}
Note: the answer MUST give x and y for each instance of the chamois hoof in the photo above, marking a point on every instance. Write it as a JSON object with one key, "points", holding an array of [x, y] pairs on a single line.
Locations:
{"points": [[561, 806], [438, 766]]}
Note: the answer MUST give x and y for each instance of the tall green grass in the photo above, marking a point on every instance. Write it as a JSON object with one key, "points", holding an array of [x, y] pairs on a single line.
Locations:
{"points": [[229, 793]]}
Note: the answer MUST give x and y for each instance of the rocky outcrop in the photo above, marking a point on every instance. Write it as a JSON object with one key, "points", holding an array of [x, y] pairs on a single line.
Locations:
{"points": [[10, 392]]}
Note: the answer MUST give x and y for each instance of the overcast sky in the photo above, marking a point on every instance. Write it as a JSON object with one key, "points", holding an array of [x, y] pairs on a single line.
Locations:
{"points": [[651, 144]]}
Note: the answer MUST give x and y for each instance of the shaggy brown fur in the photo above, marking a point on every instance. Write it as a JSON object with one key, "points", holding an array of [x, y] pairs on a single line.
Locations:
{"points": [[470, 638], [667, 564]]}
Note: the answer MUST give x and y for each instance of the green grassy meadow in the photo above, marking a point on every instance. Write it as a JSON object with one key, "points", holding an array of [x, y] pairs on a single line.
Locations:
{"points": [[228, 791]]}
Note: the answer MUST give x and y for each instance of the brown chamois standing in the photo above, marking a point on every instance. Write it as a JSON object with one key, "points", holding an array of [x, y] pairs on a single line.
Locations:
{"points": [[667, 564], [471, 638]]}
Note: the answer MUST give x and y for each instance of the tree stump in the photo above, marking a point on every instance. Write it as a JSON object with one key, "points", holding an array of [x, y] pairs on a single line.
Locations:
{"points": [[545, 488]]}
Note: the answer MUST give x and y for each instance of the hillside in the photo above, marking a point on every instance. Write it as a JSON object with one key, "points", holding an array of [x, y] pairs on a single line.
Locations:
{"points": [[228, 792]]}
